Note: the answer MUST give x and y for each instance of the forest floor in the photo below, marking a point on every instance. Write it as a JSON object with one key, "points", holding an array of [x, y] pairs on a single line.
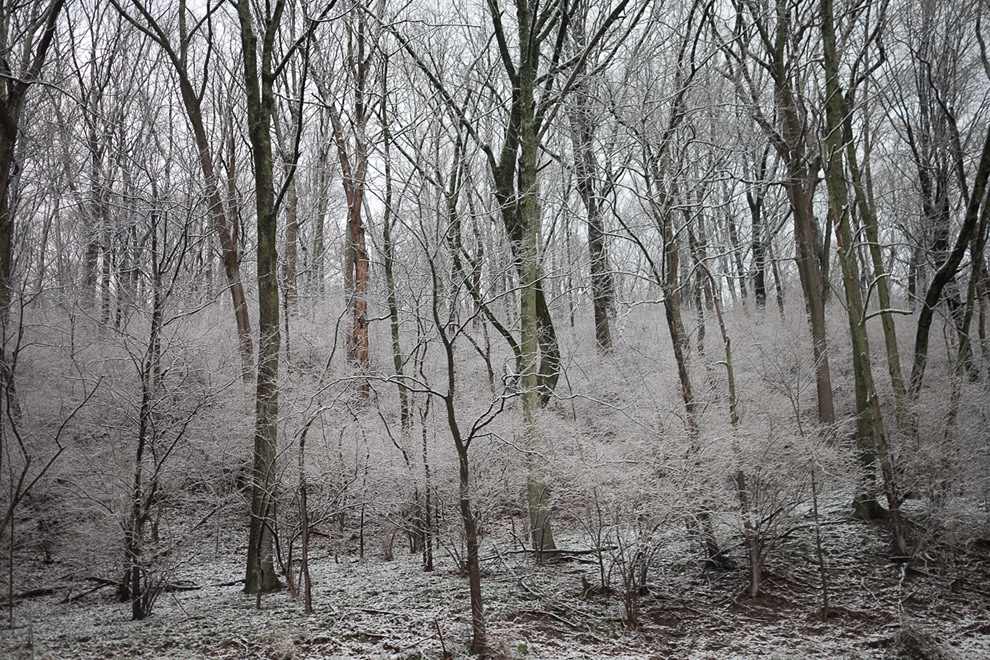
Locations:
{"points": [[371, 608]]}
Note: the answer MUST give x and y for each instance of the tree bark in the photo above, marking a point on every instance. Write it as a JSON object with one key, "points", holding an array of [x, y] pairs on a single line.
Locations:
{"points": [[260, 103], [479, 637], [870, 431], [388, 257], [948, 270], [286, 132], [222, 224], [791, 141], [529, 280], [354, 167], [755, 201], [13, 93], [810, 275], [880, 277], [586, 171]]}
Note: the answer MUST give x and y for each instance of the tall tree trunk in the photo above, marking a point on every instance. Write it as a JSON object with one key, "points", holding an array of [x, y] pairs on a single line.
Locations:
{"points": [[323, 201], [948, 269], [224, 226], [426, 524], [356, 266], [260, 103], [964, 362], [106, 268], [751, 535], [905, 424], [304, 525], [479, 637], [230, 256], [870, 432], [792, 141], [696, 282], [737, 256], [227, 237], [285, 132], [810, 275], [289, 273], [778, 281], [759, 251], [755, 200], [388, 257], [354, 167], [13, 93], [529, 283], [670, 285], [98, 216], [151, 373], [675, 326], [586, 171]]}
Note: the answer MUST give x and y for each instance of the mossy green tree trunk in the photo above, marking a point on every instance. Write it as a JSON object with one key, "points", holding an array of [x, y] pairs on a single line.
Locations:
{"points": [[528, 259], [258, 85], [870, 433], [541, 33], [540, 77]]}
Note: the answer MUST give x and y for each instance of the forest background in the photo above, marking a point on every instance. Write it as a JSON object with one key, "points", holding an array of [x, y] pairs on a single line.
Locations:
{"points": [[652, 288]]}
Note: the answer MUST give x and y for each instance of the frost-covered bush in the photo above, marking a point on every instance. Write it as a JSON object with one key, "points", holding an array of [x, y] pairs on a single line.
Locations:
{"points": [[915, 643], [624, 507]]}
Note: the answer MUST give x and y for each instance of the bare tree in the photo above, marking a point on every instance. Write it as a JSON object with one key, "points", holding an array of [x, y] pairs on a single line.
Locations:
{"points": [[777, 31], [583, 118], [258, 85], [870, 432], [353, 151], [192, 29]]}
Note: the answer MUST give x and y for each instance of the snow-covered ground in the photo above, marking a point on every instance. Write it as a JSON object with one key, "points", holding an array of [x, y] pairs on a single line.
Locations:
{"points": [[376, 609]]}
